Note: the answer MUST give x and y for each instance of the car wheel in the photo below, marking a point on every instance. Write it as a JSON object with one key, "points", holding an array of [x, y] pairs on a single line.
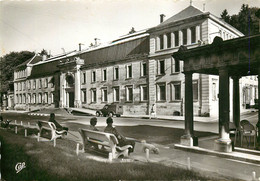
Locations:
{"points": [[97, 114], [111, 114]]}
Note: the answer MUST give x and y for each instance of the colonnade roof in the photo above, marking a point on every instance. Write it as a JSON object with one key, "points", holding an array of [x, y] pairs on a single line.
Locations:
{"points": [[240, 56]]}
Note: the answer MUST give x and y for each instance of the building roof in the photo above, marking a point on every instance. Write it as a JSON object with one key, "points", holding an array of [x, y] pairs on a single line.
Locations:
{"points": [[120, 51], [33, 60], [188, 12], [44, 69]]}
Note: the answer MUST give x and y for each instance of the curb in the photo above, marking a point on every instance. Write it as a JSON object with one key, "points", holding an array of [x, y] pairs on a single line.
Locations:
{"points": [[199, 150]]}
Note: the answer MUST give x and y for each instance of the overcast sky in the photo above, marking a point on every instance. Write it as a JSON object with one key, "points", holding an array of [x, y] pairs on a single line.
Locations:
{"points": [[52, 25]]}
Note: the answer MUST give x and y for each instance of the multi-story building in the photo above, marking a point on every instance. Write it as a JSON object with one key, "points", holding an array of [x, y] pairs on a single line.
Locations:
{"points": [[136, 71]]}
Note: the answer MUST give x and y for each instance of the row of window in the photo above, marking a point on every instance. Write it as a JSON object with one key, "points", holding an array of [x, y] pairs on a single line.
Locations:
{"points": [[20, 74], [41, 84], [104, 74], [116, 94], [175, 93], [178, 38], [161, 69], [41, 98], [161, 66]]}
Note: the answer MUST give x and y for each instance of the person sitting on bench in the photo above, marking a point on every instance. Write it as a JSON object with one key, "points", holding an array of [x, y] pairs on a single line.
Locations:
{"points": [[58, 126], [4, 124], [93, 122], [121, 139]]}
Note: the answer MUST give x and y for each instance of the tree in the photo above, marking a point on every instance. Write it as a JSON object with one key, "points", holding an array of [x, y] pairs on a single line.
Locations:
{"points": [[245, 21], [224, 15], [8, 64]]}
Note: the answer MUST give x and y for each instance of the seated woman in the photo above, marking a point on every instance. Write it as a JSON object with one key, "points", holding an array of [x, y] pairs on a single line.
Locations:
{"points": [[121, 139], [58, 126]]}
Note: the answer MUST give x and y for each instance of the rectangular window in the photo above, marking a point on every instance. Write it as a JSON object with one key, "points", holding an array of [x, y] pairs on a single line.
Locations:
{"points": [[143, 69], [20, 85], [161, 42], [24, 98], [104, 94], [24, 85], [195, 90], [184, 34], [175, 91], [129, 93], [116, 73], [129, 71], [93, 95], [104, 75], [34, 84], [84, 78], [40, 98], [177, 66], [176, 39], [45, 97], [161, 92], [52, 98], [40, 84], [46, 83], [29, 98], [29, 84], [169, 40], [84, 96], [193, 34], [161, 67], [116, 94], [34, 98], [144, 92], [93, 76]]}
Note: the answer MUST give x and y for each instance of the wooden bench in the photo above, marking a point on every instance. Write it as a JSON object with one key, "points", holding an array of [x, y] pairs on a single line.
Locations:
{"points": [[107, 141], [51, 128]]}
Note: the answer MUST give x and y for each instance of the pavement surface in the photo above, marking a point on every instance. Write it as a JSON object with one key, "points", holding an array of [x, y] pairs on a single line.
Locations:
{"points": [[203, 162]]}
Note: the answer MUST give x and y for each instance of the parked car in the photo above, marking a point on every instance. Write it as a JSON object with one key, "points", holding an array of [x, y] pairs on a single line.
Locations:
{"points": [[110, 110]]}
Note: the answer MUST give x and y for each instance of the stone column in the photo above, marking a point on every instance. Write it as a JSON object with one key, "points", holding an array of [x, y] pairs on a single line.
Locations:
{"points": [[151, 84], [236, 101], [62, 90], [188, 36], [223, 144], [77, 102], [197, 33], [187, 139], [157, 43], [180, 38], [173, 39], [165, 42]]}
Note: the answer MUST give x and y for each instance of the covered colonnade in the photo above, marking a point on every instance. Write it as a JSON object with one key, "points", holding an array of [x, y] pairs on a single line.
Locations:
{"points": [[232, 58]]}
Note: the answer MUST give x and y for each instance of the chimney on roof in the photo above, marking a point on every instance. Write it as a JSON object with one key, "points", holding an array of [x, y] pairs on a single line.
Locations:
{"points": [[161, 17], [44, 57]]}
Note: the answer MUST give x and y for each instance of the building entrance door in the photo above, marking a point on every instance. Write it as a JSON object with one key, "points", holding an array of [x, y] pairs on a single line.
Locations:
{"points": [[71, 99]]}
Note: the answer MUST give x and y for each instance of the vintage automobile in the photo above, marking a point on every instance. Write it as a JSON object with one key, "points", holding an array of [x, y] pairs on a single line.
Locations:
{"points": [[110, 110]]}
